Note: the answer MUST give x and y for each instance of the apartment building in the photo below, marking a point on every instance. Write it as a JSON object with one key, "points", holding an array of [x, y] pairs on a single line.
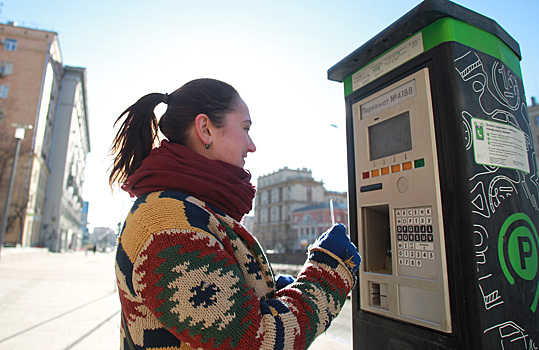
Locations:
{"points": [[63, 214], [533, 113], [278, 195], [309, 222], [31, 78]]}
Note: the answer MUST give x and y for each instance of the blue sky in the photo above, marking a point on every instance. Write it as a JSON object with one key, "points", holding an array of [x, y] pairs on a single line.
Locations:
{"points": [[276, 54]]}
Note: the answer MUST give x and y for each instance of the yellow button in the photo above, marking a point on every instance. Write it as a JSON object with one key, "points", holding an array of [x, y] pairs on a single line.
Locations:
{"points": [[395, 168], [385, 171], [375, 173], [407, 166]]}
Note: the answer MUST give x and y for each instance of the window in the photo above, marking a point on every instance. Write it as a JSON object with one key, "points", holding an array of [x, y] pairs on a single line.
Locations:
{"points": [[536, 121], [10, 45], [6, 68], [1, 117], [3, 91]]}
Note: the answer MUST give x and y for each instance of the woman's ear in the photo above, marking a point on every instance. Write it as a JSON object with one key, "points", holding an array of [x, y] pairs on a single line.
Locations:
{"points": [[202, 128]]}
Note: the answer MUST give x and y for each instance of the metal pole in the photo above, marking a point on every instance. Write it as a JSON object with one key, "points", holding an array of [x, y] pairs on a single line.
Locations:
{"points": [[10, 190]]}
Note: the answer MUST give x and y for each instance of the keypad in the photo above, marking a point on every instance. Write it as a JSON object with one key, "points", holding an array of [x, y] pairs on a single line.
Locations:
{"points": [[415, 236]]}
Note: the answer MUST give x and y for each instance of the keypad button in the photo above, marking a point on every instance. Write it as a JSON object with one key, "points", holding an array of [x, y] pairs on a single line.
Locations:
{"points": [[414, 229]]}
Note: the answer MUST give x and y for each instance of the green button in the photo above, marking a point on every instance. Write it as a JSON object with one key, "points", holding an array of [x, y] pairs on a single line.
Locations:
{"points": [[419, 163]]}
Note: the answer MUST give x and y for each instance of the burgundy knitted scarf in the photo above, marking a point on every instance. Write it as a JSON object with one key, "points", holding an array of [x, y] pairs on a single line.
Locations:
{"points": [[173, 167]]}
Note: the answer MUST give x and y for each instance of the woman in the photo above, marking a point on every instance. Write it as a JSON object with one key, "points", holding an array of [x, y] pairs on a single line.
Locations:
{"points": [[189, 274]]}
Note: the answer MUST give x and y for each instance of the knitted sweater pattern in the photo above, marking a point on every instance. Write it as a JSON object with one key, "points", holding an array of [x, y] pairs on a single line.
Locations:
{"points": [[190, 277]]}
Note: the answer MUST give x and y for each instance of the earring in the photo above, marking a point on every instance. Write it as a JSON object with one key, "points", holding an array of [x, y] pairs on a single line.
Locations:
{"points": [[208, 146]]}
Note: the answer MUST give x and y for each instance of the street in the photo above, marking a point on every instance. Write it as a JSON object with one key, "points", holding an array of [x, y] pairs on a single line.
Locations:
{"points": [[69, 301]]}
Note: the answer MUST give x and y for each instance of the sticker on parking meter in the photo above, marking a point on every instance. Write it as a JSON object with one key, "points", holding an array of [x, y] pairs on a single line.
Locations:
{"points": [[499, 145]]}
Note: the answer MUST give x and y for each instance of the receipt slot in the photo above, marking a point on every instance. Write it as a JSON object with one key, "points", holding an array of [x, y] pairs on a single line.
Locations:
{"points": [[443, 187]]}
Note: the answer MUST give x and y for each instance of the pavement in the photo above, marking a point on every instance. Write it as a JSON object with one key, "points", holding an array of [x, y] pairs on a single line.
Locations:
{"points": [[69, 301]]}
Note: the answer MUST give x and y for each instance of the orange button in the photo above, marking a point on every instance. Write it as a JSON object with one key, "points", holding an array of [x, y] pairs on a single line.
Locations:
{"points": [[375, 172], [395, 168], [385, 171], [407, 166]]}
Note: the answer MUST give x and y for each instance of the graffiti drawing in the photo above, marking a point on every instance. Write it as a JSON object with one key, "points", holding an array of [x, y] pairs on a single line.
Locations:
{"points": [[482, 244], [512, 334], [505, 238], [491, 300]]}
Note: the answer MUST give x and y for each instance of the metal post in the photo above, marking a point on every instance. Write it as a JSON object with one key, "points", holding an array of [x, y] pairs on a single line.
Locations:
{"points": [[20, 130]]}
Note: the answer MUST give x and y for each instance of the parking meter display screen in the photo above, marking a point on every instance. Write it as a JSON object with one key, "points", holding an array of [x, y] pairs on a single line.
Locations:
{"points": [[392, 136]]}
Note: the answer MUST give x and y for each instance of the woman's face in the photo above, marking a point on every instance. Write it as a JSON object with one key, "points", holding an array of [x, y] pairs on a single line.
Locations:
{"points": [[232, 142]]}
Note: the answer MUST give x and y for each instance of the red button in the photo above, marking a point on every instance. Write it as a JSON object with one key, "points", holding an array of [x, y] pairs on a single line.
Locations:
{"points": [[366, 175]]}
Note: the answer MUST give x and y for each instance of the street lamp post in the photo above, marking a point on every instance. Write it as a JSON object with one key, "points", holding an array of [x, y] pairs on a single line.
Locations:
{"points": [[19, 136]]}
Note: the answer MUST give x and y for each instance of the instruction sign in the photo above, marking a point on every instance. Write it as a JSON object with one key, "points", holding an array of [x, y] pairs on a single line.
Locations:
{"points": [[389, 61], [499, 145]]}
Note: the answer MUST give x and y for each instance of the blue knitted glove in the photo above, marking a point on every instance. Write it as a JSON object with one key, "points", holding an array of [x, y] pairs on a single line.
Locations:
{"points": [[338, 243], [283, 280]]}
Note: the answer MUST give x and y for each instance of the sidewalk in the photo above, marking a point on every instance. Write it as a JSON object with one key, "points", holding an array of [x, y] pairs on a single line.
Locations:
{"points": [[69, 301]]}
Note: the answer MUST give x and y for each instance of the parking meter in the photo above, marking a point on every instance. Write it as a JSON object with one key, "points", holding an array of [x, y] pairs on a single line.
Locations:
{"points": [[443, 188]]}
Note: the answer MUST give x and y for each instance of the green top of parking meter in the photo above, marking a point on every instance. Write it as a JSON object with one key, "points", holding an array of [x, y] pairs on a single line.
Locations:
{"points": [[431, 23]]}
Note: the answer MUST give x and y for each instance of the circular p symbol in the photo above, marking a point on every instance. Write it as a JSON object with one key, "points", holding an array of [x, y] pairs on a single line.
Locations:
{"points": [[522, 250]]}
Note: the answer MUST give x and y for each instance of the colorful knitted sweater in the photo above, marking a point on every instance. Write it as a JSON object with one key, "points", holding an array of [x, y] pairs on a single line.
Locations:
{"points": [[189, 276]]}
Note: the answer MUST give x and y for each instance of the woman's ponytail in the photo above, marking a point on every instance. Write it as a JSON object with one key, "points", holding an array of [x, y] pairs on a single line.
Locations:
{"points": [[136, 137], [139, 131]]}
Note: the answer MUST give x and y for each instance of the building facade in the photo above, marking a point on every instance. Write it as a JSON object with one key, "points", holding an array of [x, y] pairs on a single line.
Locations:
{"points": [[31, 78], [63, 212], [309, 222], [533, 113], [278, 195]]}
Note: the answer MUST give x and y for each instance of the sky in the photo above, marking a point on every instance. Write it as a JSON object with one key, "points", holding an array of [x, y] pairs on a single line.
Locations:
{"points": [[275, 53]]}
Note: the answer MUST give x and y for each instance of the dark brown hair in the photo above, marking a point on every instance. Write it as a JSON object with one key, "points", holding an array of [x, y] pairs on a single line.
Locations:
{"points": [[138, 133]]}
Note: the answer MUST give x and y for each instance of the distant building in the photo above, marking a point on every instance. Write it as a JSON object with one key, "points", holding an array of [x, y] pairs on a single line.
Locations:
{"points": [[63, 212], [34, 91], [104, 238], [533, 112], [309, 222], [84, 225], [278, 195]]}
